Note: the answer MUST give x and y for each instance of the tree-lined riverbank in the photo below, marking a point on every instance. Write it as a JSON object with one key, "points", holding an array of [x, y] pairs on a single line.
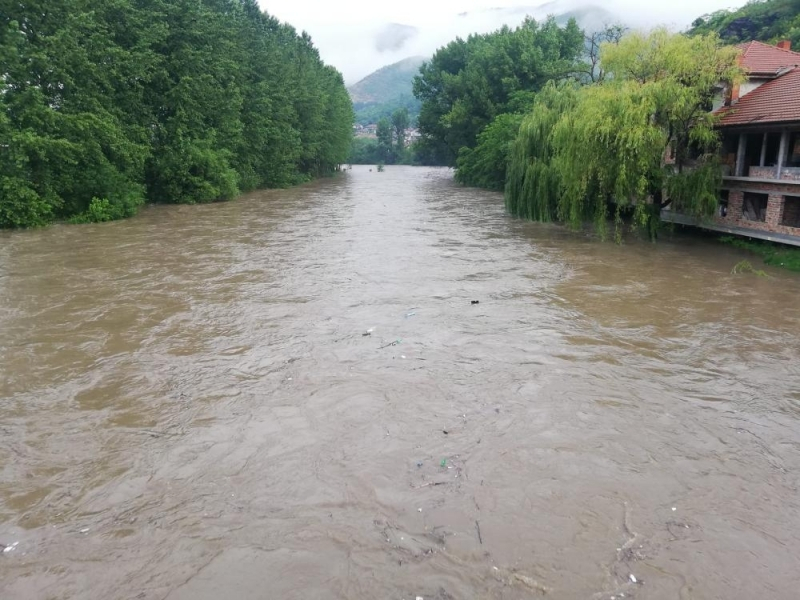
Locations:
{"points": [[108, 104]]}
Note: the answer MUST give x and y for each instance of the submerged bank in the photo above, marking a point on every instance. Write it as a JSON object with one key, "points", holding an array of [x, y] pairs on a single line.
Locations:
{"points": [[776, 255]]}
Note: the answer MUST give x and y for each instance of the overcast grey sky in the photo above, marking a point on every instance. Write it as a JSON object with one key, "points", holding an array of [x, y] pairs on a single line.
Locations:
{"points": [[346, 31]]}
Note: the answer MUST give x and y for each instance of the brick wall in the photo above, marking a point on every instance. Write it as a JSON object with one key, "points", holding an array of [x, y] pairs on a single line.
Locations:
{"points": [[761, 172], [776, 215], [735, 201], [787, 174], [774, 210]]}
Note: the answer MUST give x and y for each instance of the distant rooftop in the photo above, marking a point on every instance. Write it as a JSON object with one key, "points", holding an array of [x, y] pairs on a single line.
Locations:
{"points": [[762, 59]]}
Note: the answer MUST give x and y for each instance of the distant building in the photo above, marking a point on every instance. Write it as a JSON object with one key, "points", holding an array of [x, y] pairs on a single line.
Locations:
{"points": [[365, 131], [412, 135], [760, 127]]}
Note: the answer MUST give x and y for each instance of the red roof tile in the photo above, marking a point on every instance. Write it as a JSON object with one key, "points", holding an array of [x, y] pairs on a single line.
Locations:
{"points": [[777, 101], [765, 59]]}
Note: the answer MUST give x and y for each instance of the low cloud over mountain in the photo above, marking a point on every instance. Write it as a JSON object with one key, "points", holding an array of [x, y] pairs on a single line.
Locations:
{"points": [[359, 37], [394, 36]]}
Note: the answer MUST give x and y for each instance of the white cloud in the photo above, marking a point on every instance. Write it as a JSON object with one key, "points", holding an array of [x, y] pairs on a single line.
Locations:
{"points": [[345, 31]]}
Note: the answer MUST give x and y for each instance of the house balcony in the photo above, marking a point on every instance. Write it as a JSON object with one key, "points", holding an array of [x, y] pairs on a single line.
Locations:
{"points": [[760, 195]]}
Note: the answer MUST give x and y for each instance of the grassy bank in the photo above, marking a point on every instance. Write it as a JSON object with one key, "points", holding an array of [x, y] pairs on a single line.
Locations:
{"points": [[776, 255]]}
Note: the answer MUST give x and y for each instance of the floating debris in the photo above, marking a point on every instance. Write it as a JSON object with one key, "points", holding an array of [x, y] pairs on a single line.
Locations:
{"points": [[9, 548]]}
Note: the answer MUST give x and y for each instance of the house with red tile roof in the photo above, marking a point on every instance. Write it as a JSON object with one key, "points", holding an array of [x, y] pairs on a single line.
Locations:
{"points": [[760, 128]]}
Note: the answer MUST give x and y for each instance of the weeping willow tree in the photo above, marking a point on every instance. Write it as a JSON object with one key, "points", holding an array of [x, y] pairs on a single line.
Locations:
{"points": [[533, 182], [640, 140]]}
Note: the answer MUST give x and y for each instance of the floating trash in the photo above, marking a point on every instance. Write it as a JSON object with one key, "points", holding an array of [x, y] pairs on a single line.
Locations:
{"points": [[10, 548]]}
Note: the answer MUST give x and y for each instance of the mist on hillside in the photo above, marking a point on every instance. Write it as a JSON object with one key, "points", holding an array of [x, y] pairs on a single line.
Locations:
{"points": [[358, 37]]}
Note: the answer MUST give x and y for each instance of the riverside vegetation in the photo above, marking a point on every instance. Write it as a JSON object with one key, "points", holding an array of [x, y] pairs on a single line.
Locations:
{"points": [[108, 104], [595, 128], [578, 128]]}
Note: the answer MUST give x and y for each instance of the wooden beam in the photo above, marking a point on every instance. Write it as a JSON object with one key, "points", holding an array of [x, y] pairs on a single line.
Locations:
{"points": [[740, 154], [763, 161]]}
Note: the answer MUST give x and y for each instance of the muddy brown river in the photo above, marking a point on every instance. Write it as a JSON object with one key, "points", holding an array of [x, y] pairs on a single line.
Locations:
{"points": [[293, 396]]}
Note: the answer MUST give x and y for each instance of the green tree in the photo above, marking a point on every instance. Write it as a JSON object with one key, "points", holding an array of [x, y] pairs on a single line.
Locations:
{"points": [[400, 125], [609, 144], [106, 103], [469, 82], [66, 137], [533, 179], [485, 165], [385, 146]]}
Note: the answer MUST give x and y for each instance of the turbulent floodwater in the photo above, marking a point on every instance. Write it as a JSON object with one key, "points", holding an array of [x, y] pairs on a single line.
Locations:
{"points": [[190, 410]]}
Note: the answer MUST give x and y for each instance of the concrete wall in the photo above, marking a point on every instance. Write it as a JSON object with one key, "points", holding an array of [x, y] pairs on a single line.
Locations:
{"points": [[751, 85]]}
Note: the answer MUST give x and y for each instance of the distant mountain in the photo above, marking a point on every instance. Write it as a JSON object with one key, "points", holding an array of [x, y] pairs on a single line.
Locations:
{"points": [[387, 82], [387, 89], [768, 21]]}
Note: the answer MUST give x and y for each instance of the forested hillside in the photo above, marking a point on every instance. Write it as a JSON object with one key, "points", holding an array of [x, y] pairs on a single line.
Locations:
{"points": [[388, 89], [107, 104], [764, 20]]}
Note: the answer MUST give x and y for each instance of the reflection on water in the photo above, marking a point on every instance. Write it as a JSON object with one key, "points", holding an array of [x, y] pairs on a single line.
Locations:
{"points": [[190, 407]]}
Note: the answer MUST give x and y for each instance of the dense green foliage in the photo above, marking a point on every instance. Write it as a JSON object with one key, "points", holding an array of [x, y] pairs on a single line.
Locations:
{"points": [[388, 89], [581, 150], [485, 165], [470, 82], [763, 20], [533, 181], [106, 104]]}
